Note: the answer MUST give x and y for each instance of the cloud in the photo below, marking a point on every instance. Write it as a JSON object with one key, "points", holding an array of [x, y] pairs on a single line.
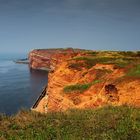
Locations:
{"points": [[35, 6], [79, 4]]}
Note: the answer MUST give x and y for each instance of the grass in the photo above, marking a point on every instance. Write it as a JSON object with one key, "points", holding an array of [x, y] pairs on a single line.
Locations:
{"points": [[120, 59], [92, 61], [115, 53], [92, 53], [76, 66], [108, 123], [130, 53], [134, 71], [79, 88]]}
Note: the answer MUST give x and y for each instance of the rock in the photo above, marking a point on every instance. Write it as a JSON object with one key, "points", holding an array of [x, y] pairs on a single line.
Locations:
{"points": [[111, 93], [48, 58]]}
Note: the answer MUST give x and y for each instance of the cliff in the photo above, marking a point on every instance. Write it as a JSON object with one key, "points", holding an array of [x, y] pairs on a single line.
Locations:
{"points": [[46, 59], [88, 79]]}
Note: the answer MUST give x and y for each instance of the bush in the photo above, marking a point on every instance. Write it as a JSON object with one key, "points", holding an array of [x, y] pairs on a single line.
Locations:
{"points": [[79, 88], [134, 71], [91, 61], [75, 66]]}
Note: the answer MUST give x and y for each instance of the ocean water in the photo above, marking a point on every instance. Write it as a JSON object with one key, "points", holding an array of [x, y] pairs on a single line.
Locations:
{"points": [[19, 87]]}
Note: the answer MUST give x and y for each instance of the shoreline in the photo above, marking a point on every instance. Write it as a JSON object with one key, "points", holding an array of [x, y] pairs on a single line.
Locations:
{"points": [[22, 61]]}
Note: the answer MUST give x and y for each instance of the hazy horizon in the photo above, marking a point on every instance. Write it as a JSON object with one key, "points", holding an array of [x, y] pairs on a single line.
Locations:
{"points": [[88, 24]]}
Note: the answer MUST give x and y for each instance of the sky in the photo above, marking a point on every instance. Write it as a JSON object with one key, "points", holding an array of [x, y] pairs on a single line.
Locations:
{"points": [[88, 24]]}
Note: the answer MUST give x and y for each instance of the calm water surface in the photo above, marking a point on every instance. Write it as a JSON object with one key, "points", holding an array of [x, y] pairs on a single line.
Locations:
{"points": [[19, 87]]}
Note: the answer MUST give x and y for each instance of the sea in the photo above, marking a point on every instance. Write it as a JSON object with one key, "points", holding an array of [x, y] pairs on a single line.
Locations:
{"points": [[19, 86]]}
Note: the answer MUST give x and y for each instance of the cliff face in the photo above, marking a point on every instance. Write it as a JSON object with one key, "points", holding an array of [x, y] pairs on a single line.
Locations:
{"points": [[48, 58], [89, 80]]}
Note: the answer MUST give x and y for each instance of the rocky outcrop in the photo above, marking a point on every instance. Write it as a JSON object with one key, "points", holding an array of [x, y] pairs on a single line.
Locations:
{"points": [[46, 59], [74, 85]]}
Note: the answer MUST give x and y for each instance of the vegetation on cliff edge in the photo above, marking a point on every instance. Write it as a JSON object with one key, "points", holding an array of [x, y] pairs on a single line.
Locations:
{"points": [[108, 123], [120, 59], [134, 71], [79, 87]]}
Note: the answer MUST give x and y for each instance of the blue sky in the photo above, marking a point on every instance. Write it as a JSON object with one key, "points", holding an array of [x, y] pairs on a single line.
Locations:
{"points": [[89, 24]]}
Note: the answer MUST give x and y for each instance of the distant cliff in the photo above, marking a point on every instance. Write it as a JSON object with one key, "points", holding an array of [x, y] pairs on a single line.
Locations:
{"points": [[46, 59]]}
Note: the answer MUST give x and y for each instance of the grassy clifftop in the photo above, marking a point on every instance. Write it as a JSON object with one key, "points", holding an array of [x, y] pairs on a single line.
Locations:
{"points": [[108, 123]]}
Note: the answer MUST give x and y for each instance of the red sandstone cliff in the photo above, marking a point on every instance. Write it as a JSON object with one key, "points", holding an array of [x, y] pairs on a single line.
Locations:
{"points": [[46, 59], [73, 84]]}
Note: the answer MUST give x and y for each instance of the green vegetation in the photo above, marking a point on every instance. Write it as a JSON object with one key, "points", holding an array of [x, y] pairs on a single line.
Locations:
{"points": [[62, 49], [121, 59], [92, 53], [76, 66], [134, 71], [129, 53], [118, 61], [108, 123], [79, 88], [91, 61], [138, 53], [115, 53]]}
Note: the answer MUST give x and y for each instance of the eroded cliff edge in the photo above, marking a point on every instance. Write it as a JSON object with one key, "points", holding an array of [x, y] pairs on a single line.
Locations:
{"points": [[46, 59], [87, 79]]}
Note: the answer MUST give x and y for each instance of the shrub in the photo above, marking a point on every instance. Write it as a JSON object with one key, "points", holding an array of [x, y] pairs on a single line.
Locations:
{"points": [[138, 53], [75, 66], [134, 71], [92, 53], [128, 53], [91, 61], [79, 87]]}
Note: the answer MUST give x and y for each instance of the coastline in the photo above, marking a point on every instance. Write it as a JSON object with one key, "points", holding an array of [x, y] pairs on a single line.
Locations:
{"points": [[22, 61], [66, 71]]}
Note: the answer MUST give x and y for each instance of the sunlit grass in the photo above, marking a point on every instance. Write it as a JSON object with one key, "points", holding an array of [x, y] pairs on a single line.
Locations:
{"points": [[113, 123], [80, 88], [134, 71]]}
